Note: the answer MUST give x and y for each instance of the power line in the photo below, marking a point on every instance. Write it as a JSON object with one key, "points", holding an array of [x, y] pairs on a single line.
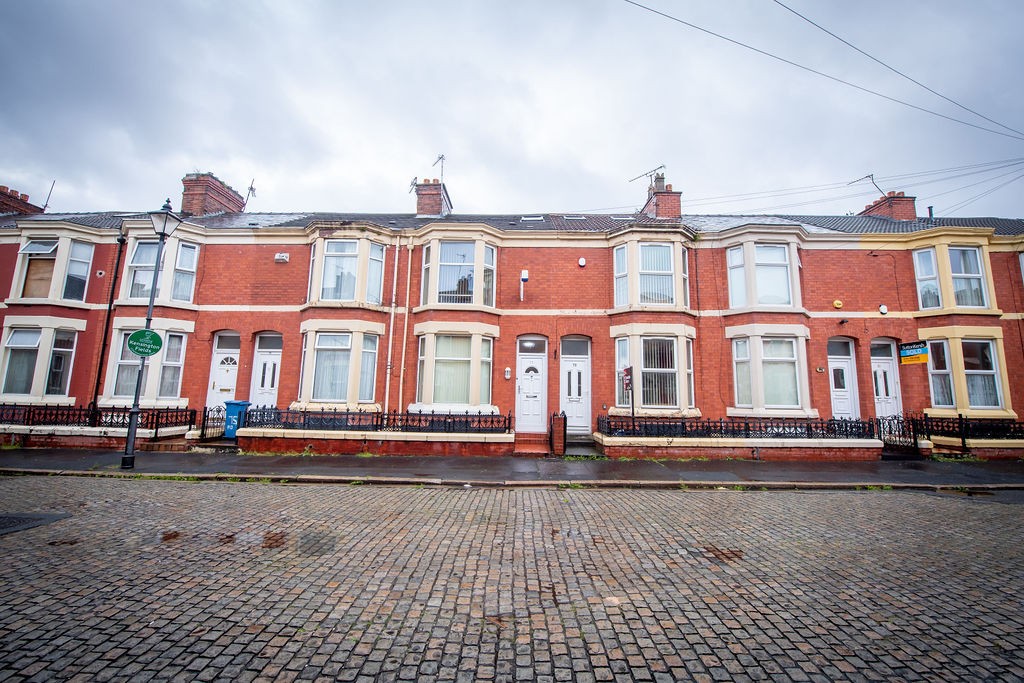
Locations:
{"points": [[820, 73], [957, 207], [895, 70]]}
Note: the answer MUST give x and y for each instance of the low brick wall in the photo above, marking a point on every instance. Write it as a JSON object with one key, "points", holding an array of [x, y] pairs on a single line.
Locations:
{"points": [[379, 443], [839, 450]]}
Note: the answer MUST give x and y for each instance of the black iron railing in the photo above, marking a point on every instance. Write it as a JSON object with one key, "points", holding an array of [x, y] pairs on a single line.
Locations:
{"points": [[348, 420], [91, 416], [212, 425], [764, 428]]}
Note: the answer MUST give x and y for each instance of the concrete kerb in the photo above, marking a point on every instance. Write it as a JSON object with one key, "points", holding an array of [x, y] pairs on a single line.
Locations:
{"points": [[680, 484]]}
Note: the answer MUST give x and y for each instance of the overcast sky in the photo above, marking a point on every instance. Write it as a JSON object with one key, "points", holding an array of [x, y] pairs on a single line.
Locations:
{"points": [[537, 105]]}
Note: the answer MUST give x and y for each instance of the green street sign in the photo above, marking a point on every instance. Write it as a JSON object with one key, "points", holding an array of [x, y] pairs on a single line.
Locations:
{"points": [[144, 342]]}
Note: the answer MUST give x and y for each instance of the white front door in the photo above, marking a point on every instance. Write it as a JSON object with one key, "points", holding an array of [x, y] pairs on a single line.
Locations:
{"points": [[844, 394], [532, 392], [575, 385], [223, 369], [266, 370], [885, 378]]}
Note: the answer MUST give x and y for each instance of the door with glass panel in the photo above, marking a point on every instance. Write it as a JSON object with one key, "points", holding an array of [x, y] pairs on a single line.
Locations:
{"points": [[532, 385], [575, 384], [223, 369], [843, 379], [266, 370], [885, 379]]}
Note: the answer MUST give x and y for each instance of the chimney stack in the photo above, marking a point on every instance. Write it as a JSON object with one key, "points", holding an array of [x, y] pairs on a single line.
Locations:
{"points": [[12, 201], [893, 205], [662, 202], [432, 199], [205, 193]]}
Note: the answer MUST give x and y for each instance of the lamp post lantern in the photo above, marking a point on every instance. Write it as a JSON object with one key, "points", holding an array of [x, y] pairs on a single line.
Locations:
{"points": [[164, 223]]}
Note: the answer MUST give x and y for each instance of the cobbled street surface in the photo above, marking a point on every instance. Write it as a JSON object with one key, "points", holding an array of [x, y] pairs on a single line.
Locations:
{"points": [[150, 580]]}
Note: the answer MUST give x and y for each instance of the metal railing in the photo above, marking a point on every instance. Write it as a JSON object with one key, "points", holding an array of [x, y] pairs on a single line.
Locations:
{"points": [[91, 416], [212, 425], [763, 428], [349, 420]]}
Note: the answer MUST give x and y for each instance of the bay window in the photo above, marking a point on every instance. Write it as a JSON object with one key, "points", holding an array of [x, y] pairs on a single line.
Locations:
{"points": [[980, 370], [649, 274], [965, 373], [352, 270], [344, 367], [769, 364], [759, 275], [162, 372], [953, 274], [660, 357], [24, 347], [454, 370], [464, 273]]}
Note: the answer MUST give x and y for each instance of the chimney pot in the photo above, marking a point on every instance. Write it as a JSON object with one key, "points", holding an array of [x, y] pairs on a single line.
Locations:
{"points": [[3, 189], [24, 197]]}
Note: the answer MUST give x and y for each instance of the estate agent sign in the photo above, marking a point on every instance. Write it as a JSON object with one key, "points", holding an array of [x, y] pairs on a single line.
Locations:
{"points": [[144, 342]]}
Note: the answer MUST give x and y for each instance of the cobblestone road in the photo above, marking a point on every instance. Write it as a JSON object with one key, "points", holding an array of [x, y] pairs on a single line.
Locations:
{"points": [[219, 581]]}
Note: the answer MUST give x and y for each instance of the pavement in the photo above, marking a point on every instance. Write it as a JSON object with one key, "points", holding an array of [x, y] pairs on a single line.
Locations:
{"points": [[573, 472]]}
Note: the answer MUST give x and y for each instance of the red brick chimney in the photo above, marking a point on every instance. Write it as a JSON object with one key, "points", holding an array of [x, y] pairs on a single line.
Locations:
{"points": [[662, 202], [12, 201], [432, 199], [205, 193], [893, 205]]}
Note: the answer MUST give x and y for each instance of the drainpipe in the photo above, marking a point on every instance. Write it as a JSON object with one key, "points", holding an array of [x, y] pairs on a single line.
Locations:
{"points": [[391, 327], [121, 241], [405, 331]]}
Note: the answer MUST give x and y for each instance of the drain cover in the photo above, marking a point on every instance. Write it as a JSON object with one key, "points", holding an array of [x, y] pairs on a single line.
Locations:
{"points": [[10, 523]]}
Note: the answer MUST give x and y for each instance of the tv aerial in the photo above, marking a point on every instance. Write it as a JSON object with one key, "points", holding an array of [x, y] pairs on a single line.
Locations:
{"points": [[648, 174]]}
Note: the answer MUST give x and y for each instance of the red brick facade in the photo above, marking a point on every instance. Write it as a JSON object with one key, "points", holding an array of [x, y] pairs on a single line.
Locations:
{"points": [[343, 300]]}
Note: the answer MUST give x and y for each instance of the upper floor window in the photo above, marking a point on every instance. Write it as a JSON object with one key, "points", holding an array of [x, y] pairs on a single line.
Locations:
{"points": [[48, 265], [968, 287], [352, 270], [964, 279], [464, 273], [928, 293], [140, 269], [656, 281], [79, 262], [759, 274], [185, 272], [650, 270]]}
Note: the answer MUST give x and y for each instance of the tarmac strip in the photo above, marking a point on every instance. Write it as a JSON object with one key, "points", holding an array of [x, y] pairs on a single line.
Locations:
{"points": [[680, 484]]}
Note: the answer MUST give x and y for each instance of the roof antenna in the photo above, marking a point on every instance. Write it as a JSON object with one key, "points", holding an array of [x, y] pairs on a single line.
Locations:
{"points": [[250, 193], [47, 203], [871, 177], [648, 174], [439, 160], [412, 184]]}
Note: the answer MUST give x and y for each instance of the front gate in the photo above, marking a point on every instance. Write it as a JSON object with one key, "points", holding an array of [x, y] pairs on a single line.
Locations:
{"points": [[899, 437]]}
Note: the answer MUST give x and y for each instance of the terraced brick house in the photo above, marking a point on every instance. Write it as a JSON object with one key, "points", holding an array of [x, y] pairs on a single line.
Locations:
{"points": [[609, 319]]}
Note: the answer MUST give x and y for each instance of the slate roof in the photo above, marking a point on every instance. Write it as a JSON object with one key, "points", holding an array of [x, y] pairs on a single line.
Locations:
{"points": [[547, 222]]}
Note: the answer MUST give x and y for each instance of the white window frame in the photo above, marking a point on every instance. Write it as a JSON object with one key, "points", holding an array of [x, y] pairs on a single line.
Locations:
{"points": [[749, 272], [479, 276], [171, 367], [185, 273], [321, 347], [40, 249], [978, 277], [82, 262], [67, 356], [751, 352], [368, 368], [684, 275], [140, 273], [940, 374], [354, 261], [623, 398], [347, 264], [691, 386], [17, 341], [656, 374], [621, 276], [478, 393], [122, 365], [992, 373], [661, 276], [923, 279], [375, 274]]}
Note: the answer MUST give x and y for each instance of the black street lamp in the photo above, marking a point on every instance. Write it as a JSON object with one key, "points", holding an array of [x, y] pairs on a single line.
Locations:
{"points": [[164, 223]]}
